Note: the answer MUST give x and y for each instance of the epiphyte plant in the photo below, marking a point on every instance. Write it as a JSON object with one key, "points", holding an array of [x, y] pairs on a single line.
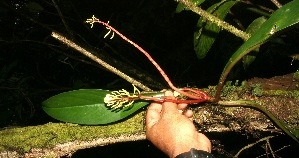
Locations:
{"points": [[97, 106], [118, 98], [89, 106]]}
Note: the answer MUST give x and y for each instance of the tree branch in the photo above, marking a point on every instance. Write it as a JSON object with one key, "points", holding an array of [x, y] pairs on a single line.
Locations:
{"points": [[278, 5], [58, 139], [222, 24], [99, 61]]}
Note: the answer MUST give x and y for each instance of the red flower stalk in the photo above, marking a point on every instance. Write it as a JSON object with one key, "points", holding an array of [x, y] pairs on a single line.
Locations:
{"points": [[197, 95]]}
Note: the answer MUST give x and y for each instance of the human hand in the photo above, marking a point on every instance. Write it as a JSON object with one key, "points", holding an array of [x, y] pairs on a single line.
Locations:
{"points": [[170, 129]]}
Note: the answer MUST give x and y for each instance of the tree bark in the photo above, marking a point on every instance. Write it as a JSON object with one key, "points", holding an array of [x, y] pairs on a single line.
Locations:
{"points": [[60, 139]]}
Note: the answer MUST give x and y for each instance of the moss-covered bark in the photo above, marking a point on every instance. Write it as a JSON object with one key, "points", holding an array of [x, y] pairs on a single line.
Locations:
{"points": [[57, 139]]}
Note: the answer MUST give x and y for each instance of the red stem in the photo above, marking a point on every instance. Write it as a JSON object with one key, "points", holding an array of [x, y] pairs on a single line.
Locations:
{"points": [[200, 97], [203, 97]]}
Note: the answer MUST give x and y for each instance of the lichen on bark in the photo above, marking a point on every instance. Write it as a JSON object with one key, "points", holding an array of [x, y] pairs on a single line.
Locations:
{"points": [[66, 138]]}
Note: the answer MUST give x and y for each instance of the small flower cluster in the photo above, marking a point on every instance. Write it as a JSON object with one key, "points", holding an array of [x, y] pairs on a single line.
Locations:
{"points": [[121, 98], [93, 20]]}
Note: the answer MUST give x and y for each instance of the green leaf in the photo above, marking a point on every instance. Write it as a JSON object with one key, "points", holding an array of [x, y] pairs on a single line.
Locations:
{"points": [[34, 7], [205, 37], [86, 106], [281, 19], [255, 25], [251, 29]]}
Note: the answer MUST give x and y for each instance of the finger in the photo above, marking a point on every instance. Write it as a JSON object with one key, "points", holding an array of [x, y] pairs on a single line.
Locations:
{"points": [[182, 106], [188, 113], [153, 114], [155, 106], [169, 107], [169, 94]]}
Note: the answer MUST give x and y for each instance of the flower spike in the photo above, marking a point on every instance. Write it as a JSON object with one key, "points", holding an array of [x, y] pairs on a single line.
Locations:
{"points": [[92, 20], [122, 98]]}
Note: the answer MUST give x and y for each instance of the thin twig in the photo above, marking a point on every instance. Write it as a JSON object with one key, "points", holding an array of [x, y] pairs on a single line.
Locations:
{"points": [[278, 5], [99, 61], [252, 144], [222, 24], [286, 146], [62, 19]]}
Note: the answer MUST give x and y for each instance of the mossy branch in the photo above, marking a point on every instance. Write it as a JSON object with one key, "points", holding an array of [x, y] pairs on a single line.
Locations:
{"points": [[222, 24], [61, 139]]}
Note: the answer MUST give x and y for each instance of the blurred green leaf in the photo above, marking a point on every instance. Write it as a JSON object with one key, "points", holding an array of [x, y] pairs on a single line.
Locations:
{"points": [[255, 25], [34, 7], [281, 19], [86, 106], [251, 29], [205, 37]]}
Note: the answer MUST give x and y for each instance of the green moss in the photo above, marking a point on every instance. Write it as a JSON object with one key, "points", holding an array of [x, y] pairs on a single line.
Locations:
{"points": [[232, 91], [292, 94], [257, 90], [296, 75], [50, 134]]}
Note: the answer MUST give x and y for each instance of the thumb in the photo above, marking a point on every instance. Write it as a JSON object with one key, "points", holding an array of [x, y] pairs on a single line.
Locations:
{"points": [[153, 115], [169, 106]]}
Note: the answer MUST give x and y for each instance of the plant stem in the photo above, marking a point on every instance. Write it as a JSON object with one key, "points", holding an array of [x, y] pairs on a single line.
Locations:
{"points": [[164, 75], [222, 24], [99, 61], [228, 68], [251, 104]]}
